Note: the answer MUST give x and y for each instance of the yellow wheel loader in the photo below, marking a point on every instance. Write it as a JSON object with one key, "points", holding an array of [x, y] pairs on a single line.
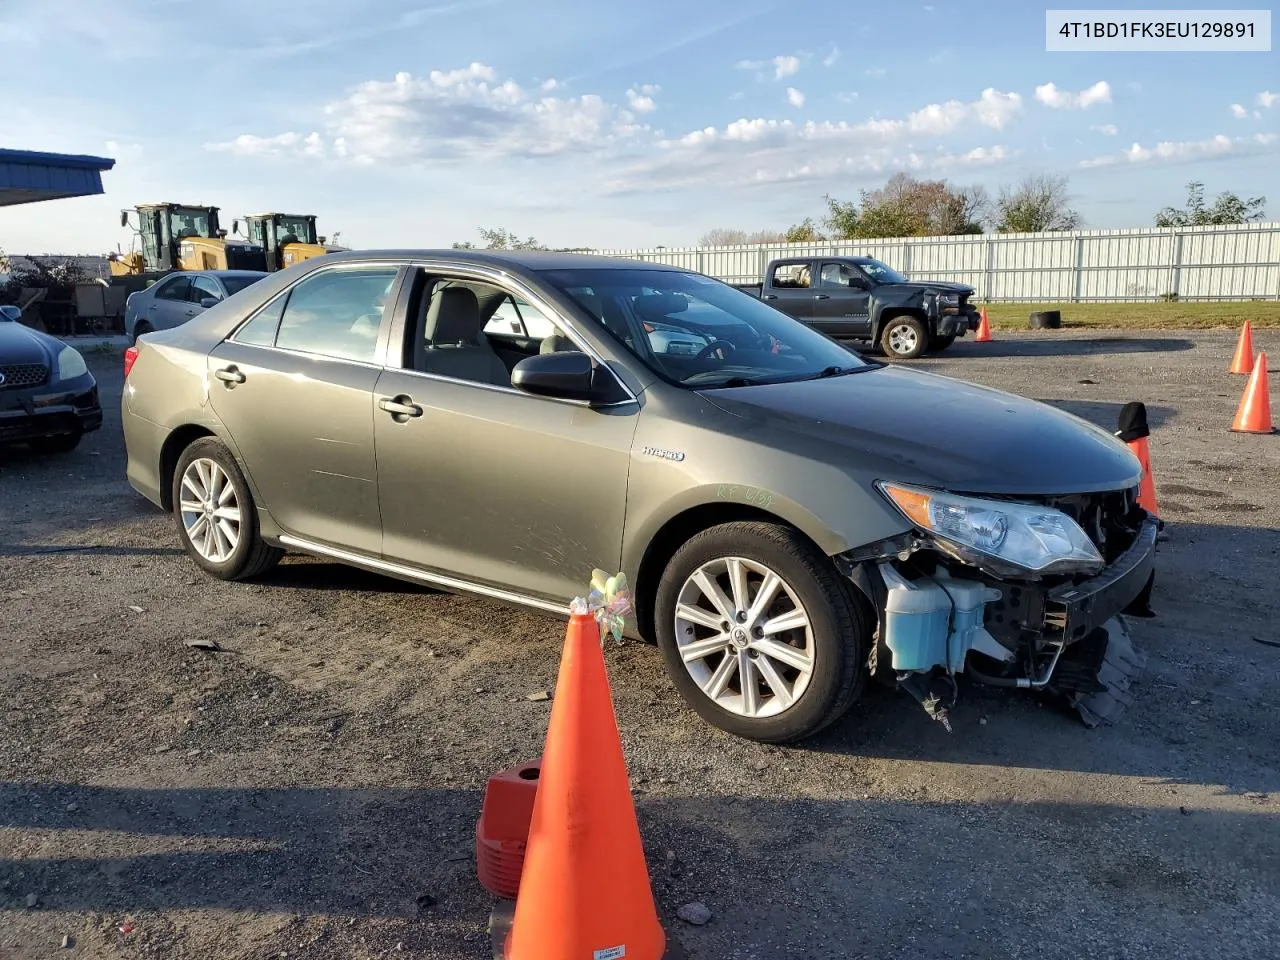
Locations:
{"points": [[287, 238], [179, 236]]}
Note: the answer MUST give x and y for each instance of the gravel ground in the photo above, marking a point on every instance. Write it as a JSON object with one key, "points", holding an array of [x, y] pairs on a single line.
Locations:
{"points": [[313, 790]]}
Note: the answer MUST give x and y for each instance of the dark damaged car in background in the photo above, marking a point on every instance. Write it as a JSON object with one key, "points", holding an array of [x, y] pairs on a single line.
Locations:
{"points": [[48, 397], [794, 519]]}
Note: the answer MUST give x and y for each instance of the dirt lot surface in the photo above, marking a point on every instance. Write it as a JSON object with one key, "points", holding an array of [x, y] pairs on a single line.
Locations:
{"points": [[313, 791]]}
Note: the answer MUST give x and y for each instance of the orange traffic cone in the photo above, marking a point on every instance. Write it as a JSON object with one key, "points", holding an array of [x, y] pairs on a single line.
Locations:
{"points": [[1134, 431], [984, 328], [584, 890], [1243, 360], [1254, 412]]}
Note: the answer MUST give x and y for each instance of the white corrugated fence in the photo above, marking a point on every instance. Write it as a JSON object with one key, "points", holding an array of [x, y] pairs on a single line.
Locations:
{"points": [[1148, 263]]}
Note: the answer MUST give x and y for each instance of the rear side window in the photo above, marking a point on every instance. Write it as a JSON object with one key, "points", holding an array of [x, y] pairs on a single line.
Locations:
{"points": [[791, 276], [337, 313], [175, 289], [261, 330]]}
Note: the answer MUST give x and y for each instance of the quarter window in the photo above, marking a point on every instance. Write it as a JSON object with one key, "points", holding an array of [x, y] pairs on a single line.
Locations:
{"points": [[337, 313]]}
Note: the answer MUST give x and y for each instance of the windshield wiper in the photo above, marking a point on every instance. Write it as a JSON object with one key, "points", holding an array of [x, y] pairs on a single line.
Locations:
{"points": [[740, 382]]}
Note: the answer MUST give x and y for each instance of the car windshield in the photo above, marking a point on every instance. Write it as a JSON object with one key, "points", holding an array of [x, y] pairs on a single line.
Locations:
{"points": [[880, 272], [700, 333], [236, 284]]}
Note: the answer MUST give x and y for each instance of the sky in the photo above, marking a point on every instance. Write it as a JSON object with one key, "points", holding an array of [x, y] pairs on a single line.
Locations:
{"points": [[416, 122]]}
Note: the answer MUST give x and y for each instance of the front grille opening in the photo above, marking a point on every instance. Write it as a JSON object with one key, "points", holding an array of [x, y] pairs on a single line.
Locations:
{"points": [[18, 375]]}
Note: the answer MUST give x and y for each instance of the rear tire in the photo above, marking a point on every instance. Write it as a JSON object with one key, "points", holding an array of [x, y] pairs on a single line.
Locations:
{"points": [[215, 514], [938, 344], [828, 639], [904, 338]]}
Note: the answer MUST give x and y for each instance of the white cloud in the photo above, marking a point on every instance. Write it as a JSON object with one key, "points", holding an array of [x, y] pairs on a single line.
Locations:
{"points": [[248, 145], [795, 97], [464, 113], [1239, 112], [847, 96], [1056, 99], [783, 65], [831, 58], [765, 150], [1106, 129], [1268, 99], [550, 84], [641, 99], [875, 71], [1184, 150]]}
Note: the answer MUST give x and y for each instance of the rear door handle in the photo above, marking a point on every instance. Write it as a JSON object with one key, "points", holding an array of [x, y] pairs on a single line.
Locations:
{"points": [[821, 296], [401, 408], [771, 296], [229, 375]]}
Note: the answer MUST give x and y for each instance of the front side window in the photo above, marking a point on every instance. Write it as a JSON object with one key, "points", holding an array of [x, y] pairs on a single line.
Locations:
{"points": [[700, 333], [337, 313], [837, 275], [203, 288]]}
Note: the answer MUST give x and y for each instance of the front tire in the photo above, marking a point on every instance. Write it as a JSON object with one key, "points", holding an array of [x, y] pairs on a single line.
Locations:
{"points": [[216, 517], [760, 634], [904, 338], [141, 328]]}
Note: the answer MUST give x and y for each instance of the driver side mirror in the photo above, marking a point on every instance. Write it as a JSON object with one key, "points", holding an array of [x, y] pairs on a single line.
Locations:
{"points": [[568, 375], [208, 302]]}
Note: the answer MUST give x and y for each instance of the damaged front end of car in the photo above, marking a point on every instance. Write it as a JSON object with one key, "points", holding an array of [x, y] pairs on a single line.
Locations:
{"points": [[1027, 592]]}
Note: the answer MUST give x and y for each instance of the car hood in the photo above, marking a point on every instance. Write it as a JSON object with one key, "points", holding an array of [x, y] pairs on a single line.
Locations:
{"points": [[20, 344], [917, 427], [923, 286]]}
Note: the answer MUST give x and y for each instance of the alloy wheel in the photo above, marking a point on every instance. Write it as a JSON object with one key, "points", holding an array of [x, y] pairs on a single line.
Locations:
{"points": [[744, 637], [210, 510], [903, 339]]}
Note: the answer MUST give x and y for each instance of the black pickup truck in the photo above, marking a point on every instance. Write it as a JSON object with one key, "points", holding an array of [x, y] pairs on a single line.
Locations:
{"points": [[860, 298]]}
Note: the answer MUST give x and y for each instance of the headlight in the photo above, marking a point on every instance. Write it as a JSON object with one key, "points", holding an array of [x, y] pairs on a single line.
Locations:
{"points": [[71, 364], [1038, 539]]}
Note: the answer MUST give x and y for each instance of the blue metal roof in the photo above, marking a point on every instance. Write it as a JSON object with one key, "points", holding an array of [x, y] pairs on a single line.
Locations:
{"points": [[27, 176]]}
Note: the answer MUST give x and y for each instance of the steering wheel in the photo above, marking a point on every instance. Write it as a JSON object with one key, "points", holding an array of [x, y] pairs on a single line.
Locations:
{"points": [[713, 346]]}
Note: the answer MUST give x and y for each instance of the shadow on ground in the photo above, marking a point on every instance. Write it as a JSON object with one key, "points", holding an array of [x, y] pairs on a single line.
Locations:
{"points": [[1065, 347], [1107, 415], [303, 573]]}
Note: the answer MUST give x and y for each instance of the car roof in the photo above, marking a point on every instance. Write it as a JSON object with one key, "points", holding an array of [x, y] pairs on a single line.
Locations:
{"points": [[224, 273], [527, 260]]}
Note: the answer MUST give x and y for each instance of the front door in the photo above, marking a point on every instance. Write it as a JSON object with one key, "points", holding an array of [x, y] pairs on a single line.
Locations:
{"points": [[842, 301], [169, 303], [486, 484], [294, 387]]}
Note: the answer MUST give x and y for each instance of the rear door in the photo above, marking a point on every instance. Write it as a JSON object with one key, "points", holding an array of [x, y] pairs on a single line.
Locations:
{"points": [[842, 301], [169, 303], [294, 388], [790, 288]]}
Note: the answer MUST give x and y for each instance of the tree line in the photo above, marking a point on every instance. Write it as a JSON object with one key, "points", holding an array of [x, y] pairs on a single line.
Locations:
{"points": [[910, 207]]}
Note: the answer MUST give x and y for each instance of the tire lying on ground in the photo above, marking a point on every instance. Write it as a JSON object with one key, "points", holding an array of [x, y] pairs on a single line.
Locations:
{"points": [[1045, 320]]}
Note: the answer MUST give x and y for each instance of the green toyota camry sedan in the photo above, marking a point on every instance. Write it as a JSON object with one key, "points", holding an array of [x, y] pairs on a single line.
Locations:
{"points": [[793, 518]]}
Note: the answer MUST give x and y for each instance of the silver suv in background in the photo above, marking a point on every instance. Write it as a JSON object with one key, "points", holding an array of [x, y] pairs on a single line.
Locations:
{"points": [[173, 300]]}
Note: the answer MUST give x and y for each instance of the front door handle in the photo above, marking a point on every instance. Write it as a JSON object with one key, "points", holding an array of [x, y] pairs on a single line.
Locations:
{"points": [[401, 408], [771, 296], [229, 375], [821, 296]]}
